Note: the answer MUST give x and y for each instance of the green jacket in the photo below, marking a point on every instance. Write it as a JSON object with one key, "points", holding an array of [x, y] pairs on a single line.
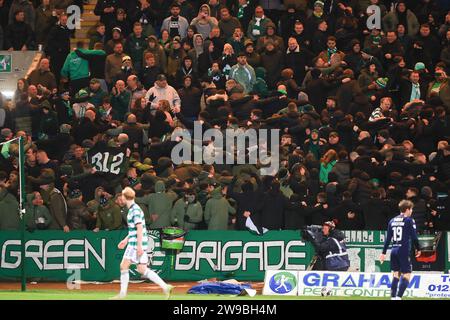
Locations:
{"points": [[9, 211], [75, 68], [109, 217], [36, 215], [325, 170], [260, 88], [244, 75], [217, 210], [159, 204], [120, 105], [193, 210]]}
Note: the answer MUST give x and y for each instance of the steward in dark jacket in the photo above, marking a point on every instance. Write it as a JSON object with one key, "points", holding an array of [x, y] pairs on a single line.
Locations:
{"points": [[331, 248]]}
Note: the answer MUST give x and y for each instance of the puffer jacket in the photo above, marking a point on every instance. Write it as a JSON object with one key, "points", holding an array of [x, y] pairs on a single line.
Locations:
{"points": [[77, 214], [217, 210], [159, 205]]}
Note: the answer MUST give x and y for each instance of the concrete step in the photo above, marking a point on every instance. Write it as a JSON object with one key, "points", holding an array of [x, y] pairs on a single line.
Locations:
{"points": [[88, 23], [90, 6], [90, 17], [73, 42]]}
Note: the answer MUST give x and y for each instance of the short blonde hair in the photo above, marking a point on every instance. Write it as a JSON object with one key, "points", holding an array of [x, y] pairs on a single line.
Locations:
{"points": [[405, 205], [128, 193]]}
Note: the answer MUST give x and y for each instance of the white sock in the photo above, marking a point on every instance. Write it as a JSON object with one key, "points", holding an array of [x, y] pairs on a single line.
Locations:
{"points": [[153, 276], [124, 278]]}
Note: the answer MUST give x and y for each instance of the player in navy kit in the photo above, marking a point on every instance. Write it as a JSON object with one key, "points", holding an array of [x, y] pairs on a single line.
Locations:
{"points": [[401, 230]]}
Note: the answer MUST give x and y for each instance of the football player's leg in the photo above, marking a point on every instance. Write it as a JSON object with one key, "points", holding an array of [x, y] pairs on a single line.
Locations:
{"points": [[151, 275], [124, 276], [394, 285], [404, 283], [395, 267]]}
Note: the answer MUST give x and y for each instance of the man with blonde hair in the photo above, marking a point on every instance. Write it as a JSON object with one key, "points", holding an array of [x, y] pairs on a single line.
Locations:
{"points": [[136, 247]]}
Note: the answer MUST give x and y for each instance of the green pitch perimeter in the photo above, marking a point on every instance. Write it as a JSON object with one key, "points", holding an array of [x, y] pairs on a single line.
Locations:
{"points": [[83, 295]]}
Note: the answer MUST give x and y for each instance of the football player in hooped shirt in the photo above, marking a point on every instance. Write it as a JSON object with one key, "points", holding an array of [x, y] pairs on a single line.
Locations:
{"points": [[401, 230], [136, 247]]}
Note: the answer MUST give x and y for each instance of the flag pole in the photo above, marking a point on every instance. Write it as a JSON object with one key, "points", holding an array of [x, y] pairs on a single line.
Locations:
{"points": [[22, 201]]}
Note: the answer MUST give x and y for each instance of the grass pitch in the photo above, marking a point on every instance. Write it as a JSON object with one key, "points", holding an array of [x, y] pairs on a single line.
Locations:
{"points": [[105, 295]]}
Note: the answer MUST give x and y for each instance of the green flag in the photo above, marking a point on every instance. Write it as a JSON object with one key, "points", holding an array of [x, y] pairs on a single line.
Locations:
{"points": [[5, 149], [5, 63]]}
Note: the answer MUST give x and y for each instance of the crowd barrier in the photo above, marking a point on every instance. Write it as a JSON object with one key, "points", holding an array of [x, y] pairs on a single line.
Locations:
{"points": [[240, 255]]}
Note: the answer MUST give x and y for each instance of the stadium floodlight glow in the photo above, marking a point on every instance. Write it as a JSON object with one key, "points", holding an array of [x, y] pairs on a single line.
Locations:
{"points": [[8, 94]]}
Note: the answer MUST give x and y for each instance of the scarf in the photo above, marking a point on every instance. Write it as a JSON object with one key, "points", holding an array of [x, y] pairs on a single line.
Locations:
{"points": [[330, 52], [186, 71], [240, 13], [318, 15], [415, 91], [376, 39], [68, 108]]}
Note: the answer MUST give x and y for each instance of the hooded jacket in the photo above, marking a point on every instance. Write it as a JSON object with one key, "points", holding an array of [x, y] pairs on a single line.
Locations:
{"points": [[109, 217], [57, 205], [36, 215], [204, 29], [158, 52], [168, 93], [217, 210], [9, 211], [159, 205], [186, 215]]}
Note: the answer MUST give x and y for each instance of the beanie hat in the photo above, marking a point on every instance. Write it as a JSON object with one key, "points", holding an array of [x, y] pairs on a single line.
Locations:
{"points": [[419, 66], [319, 3], [382, 82], [82, 94]]}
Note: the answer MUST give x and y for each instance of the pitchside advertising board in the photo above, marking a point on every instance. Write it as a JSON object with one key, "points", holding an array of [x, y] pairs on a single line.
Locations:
{"points": [[351, 284], [240, 255]]}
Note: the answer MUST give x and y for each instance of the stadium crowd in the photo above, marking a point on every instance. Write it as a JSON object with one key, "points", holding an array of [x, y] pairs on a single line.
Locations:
{"points": [[363, 113]]}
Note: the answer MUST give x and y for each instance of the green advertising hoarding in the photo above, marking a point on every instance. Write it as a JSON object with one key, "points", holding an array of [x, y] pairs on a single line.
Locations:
{"points": [[54, 255], [364, 249], [240, 255]]}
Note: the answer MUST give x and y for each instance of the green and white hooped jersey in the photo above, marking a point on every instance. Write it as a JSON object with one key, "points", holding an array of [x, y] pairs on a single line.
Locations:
{"points": [[134, 217]]}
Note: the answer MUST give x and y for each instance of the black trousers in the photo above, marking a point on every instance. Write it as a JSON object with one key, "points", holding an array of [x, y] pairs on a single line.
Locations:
{"points": [[77, 85]]}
